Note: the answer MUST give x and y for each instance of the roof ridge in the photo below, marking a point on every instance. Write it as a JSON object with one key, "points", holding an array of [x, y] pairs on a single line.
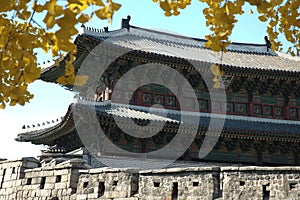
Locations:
{"points": [[194, 38], [95, 32]]}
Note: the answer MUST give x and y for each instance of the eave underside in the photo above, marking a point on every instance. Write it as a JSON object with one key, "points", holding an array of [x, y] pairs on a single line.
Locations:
{"points": [[236, 63], [65, 133]]}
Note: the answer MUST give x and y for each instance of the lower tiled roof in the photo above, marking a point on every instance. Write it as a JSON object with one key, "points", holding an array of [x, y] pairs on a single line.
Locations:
{"points": [[234, 126]]}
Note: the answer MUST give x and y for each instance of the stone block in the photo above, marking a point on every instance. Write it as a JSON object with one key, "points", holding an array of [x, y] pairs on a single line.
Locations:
{"points": [[63, 192], [36, 180], [47, 173], [45, 193], [19, 194], [38, 193], [49, 186], [65, 178], [115, 194], [60, 185], [25, 194], [92, 195], [81, 197], [59, 192], [73, 197], [50, 179], [62, 172], [14, 176]]}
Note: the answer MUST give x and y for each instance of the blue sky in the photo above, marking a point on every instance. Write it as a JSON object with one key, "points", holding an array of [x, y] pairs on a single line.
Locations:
{"points": [[51, 101]]}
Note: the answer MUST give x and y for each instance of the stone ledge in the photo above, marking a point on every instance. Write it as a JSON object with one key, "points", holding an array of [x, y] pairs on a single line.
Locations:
{"points": [[178, 170], [108, 169], [258, 168]]}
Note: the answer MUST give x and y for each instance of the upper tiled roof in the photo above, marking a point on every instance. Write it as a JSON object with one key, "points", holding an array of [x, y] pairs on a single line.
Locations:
{"points": [[252, 56], [240, 58]]}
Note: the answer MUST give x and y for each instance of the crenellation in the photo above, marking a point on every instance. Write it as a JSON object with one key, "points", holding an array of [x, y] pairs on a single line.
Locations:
{"points": [[179, 182], [275, 183], [74, 180]]}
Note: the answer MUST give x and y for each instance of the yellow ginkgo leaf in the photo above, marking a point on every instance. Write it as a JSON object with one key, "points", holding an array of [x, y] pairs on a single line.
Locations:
{"points": [[215, 69], [66, 80], [215, 79], [165, 5], [168, 14], [181, 5], [97, 2], [2, 105], [13, 103], [217, 85], [83, 18], [81, 80], [263, 18], [226, 8], [78, 6], [103, 13], [49, 20], [38, 8], [51, 6], [113, 6], [24, 15], [5, 5]]}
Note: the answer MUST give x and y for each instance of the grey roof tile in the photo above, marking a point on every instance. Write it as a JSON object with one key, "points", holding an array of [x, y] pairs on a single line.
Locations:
{"points": [[252, 56]]}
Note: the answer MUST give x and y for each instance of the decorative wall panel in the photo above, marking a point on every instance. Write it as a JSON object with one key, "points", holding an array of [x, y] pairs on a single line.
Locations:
{"points": [[278, 112], [158, 99], [147, 98], [171, 101], [268, 111], [241, 108], [257, 110], [293, 113]]}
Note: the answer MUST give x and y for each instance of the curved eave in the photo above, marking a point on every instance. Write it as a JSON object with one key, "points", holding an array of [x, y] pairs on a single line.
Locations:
{"points": [[53, 72], [85, 43], [258, 73], [66, 131], [48, 136]]}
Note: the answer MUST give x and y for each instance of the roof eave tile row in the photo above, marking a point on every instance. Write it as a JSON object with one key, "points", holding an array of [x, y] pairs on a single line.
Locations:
{"points": [[240, 57], [237, 128]]}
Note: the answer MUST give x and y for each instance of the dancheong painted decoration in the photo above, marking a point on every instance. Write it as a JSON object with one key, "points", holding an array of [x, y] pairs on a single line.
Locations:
{"points": [[262, 112]]}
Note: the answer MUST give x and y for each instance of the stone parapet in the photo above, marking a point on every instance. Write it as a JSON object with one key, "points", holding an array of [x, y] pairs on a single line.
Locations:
{"points": [[253, 182], [27, 179]]}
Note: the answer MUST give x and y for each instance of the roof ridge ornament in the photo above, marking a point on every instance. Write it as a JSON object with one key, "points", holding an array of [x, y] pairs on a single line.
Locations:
{"points": [[125, 23], [268, 43], [40, 125], [105, 29]]}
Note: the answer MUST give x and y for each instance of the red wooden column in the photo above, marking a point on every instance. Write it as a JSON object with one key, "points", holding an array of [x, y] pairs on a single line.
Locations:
{"points": [[286, 108], [286, 112], [250, 107], [250, 104], [139, 97]]}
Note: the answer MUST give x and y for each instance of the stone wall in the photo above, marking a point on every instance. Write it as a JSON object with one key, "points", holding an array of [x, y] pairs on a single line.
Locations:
{"points": [[180, 183], [106, 183], [28, 179], [12, 174], [261, 182], [33, 182]]}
